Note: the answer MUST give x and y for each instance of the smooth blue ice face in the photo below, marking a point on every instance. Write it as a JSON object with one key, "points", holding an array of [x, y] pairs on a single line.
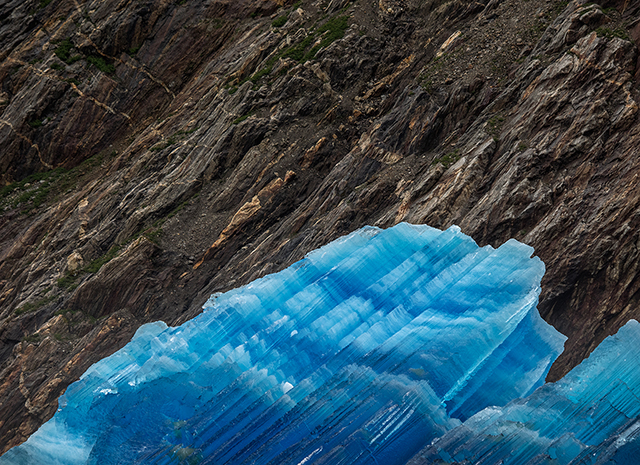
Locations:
{"points": [[363, 352], [591, 416]]}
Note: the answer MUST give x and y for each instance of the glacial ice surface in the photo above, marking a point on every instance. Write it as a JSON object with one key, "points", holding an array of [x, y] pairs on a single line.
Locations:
{"points": [[361, 353], [589, 417]]}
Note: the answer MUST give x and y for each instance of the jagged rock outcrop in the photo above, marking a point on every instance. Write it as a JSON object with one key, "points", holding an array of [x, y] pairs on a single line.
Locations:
{"points": [[156, 152]]}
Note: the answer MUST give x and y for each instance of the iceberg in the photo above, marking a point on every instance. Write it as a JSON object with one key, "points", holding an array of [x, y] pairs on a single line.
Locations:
{"points": [[591, 416], [363, 352]]}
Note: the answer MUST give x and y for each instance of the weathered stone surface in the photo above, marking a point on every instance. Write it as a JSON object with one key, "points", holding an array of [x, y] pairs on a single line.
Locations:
{"points": [[213, 153]]}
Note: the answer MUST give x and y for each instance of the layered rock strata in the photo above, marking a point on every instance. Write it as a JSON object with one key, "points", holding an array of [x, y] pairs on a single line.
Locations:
{"points": [[156, 152]]}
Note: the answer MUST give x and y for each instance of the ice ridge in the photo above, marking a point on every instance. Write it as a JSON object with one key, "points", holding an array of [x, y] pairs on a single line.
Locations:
{"points": [[363, 352]]}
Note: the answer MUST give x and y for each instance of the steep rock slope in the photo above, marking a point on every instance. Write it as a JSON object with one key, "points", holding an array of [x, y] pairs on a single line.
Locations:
{"points": [[156, 152]]}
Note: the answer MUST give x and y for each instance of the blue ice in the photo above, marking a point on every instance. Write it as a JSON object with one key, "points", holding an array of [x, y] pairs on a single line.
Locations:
{"points": [[363, 352], [591, 416]]}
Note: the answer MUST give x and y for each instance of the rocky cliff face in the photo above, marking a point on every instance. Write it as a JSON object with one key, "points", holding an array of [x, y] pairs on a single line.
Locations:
{"points": [[154, 152]]}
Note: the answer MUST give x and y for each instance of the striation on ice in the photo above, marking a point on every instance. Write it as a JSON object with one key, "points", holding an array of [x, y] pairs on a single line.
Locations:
{"points": [[591, 416], [363, 352]]}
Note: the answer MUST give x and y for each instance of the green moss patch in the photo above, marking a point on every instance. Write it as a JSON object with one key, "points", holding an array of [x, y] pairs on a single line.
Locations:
{"points": [[448, 160], [332, 30], [102, 65], [280, 21]]}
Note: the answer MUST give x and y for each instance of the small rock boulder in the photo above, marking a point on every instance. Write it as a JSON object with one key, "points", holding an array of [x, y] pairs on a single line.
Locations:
{"points": [[74, 263]]}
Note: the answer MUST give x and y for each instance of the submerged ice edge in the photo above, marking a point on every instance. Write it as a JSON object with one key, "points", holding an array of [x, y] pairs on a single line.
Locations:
{"points": [[371, 339]]}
